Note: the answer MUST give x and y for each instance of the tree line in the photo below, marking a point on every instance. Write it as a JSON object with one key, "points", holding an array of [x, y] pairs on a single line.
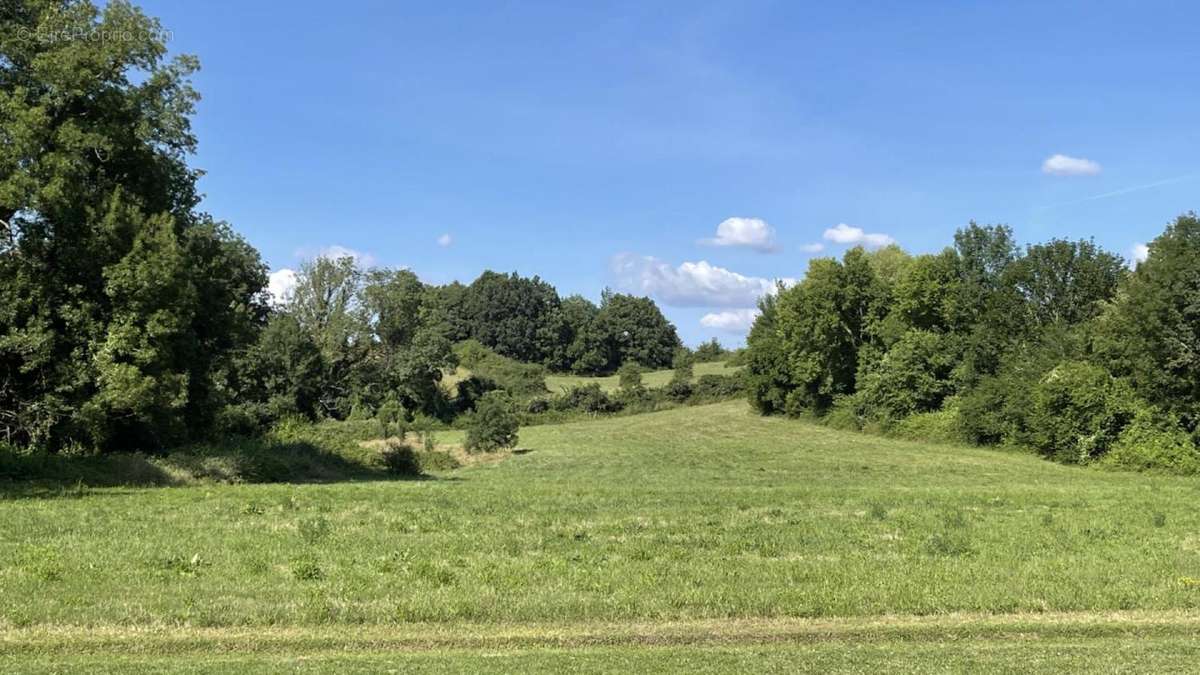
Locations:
{"points": [[1059, 346], [129, 318]]}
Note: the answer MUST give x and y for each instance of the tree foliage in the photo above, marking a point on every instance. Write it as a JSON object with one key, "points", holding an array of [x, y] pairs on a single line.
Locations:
{"points": [[121, 306], [1056, 346], [493, 426]]}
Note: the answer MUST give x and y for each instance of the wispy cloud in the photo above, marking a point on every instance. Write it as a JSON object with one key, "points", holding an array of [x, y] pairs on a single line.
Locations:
{"points": [[445, 240], [815, 247], [1122, 191]]}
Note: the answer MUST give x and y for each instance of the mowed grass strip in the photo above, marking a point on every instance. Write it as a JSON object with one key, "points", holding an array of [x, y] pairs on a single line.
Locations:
{"points": [[179, 641], [1158, 641], [698, 513]]}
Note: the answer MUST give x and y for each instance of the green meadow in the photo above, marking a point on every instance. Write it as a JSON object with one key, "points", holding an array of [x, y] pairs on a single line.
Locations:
{"points": [[557, 383], [703, 538]]}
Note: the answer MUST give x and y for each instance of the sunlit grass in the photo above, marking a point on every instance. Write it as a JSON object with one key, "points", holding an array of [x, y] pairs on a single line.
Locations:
{"points": [[695, 514], [556, 383]]}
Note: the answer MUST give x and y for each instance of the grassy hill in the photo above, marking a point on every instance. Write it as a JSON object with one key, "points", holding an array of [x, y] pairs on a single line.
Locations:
{"points": [[702, 538], [656, 378], [557, 382]]}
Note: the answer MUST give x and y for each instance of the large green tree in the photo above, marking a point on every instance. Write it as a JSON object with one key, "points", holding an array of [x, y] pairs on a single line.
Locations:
{"points": [[627, 329], [1151, 333], [823, 322], [508, 313], [121, 305]]}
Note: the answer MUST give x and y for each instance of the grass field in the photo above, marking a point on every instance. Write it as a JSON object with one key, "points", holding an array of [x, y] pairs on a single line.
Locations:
{"points": [[656, 378], [702, 539]]}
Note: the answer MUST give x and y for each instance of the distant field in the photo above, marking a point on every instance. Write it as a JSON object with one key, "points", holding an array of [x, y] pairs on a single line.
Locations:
{"points": [[701, 539], [557, 383], [657, 378]]}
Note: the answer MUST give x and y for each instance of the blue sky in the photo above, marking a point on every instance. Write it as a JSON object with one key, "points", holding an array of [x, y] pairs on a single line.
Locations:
{"points": [[603, 145]]}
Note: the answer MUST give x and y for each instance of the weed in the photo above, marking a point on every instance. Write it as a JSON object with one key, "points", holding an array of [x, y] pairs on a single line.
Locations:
{"points": [[313, 530], [877, 511], [307, 569]]}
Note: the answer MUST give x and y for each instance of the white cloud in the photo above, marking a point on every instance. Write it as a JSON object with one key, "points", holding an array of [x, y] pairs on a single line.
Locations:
{"points": [[854, 236], [815, 247], [281, 284], [748, 232], [691, 284], [1062, 165], [1140, 253], [445, 240], [733, 321]]}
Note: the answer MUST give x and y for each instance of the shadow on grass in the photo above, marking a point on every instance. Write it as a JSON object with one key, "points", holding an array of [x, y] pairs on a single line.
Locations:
{"points": [[44, 475]]}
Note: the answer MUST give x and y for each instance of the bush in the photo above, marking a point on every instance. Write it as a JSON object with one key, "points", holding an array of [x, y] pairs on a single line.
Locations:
{"points": [[493, 425], [710, 351], [493, 370], [1078, 411], [1150, 444], [683, 363], [630, 376], [536, 406], [390, 413], [472, 353], [939, 426], [986, 418], [846, 414], [912, 377], [679, 389], [997, 408], [589, 398], [719, 387], [400, 460], [470, 390]]}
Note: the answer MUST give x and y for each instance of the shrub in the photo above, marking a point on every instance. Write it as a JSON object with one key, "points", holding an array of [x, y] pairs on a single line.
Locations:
{"points": [[636, 398], [537, 406], [845, 414], [679, 388], [493, 370], [984, 418], [710, 351], [390, 412], [589, 398], [361, 411], [719, 387], [471, 353], [1078, 411], [400, 460], [630, 376], [1150, 444], [470, 390], [493, 425], [683, 363], [939, 426], [912, 377]]}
